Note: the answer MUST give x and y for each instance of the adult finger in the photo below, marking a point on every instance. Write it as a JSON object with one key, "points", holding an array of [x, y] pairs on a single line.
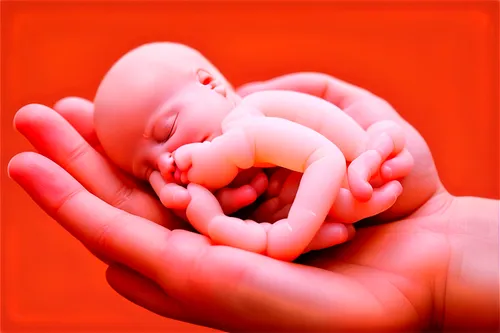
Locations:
{"points": [[259, 292], [145, 293], [79, 112], [55, 138], [100, 226]]}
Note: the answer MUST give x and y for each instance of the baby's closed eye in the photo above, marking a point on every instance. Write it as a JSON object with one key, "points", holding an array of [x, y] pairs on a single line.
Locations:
{"points": [[164, 128]]}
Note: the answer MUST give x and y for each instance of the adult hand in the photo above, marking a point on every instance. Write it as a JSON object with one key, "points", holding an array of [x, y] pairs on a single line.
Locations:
{"points": [[392, 276]]}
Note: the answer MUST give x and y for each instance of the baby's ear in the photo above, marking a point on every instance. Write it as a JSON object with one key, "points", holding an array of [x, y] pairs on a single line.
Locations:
{"points": [[204, 77], [208, 79]]}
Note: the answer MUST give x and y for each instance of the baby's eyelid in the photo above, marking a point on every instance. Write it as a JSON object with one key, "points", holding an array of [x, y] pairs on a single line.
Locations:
{"points": [[164, 127], [172, 127]]}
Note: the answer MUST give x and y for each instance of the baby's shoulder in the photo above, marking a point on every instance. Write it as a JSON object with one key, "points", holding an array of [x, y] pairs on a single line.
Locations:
{"points": [[241, 115]]}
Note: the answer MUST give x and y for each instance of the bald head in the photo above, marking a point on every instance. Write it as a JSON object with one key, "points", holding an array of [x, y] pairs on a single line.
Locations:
{"points": [[135, 86], [135, 96]]}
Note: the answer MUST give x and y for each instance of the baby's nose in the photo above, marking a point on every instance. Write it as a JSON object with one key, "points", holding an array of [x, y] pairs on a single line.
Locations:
{"points": [[166, 166]]}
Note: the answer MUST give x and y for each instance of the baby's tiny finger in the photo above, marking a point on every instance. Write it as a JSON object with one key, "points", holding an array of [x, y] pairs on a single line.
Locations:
{"points": [[171, 195], [276, 182], [266, 211], [330, 234], [259, 183], [234, 199]]}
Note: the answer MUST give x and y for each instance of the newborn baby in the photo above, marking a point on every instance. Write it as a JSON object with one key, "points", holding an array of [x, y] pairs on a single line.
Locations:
{"points": [[165, 114]]}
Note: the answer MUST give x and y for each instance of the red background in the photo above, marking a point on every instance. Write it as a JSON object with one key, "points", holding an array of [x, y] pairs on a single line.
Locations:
{"points": [[437, 63]]}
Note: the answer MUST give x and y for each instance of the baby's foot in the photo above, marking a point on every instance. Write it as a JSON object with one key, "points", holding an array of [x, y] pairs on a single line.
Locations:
{"points": [[397, 167], [347, 209], [359, 173], [367, 165]]}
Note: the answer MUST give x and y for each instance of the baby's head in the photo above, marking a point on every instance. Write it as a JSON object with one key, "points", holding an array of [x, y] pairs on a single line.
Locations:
{"points": [[155, 99]]}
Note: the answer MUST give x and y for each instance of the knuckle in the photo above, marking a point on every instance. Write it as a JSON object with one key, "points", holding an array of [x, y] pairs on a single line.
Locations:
{"points": [[122, 196], [75, 155], [59, 206], [102, 237]]}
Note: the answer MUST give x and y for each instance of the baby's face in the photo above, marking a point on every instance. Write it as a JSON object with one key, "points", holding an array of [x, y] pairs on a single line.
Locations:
{"points": [[155, 99]]}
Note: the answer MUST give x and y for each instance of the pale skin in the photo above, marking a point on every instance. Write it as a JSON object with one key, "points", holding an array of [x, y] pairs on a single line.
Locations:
{"points": [[408, 275], [179, 119]]}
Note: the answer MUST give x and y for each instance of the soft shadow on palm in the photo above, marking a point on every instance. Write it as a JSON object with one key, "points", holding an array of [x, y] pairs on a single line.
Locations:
{"points": [[397, 263]]}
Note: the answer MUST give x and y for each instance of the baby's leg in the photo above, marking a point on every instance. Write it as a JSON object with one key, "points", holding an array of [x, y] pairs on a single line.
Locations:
{"points": [[206, 215], [319, 185]]}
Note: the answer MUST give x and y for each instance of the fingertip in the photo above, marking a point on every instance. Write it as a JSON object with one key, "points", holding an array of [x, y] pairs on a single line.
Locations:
{"points": [[26, 114], [243, 196], [386, 172], [184, 178], [174, 196], [351, 232], [73, 103], [182, 198], [21, 163], [12, 166], [399, 188], [260, 183], [361, 191]]}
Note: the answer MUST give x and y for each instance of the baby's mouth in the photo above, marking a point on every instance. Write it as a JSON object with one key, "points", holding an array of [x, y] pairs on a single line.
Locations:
{"points": [[179, 177]]}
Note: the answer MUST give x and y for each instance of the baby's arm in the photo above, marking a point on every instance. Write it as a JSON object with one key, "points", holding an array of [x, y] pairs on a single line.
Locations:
{"points": [[385, 138], [260, 141], [245, 189]]}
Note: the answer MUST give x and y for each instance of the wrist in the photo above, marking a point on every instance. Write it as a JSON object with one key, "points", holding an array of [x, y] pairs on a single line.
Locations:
{"points": [[471, 296]]}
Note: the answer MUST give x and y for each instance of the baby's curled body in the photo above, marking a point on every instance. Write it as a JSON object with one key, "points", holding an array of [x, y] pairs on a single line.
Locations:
{"points": [[168, 98], [272, 145], [370, 149]]}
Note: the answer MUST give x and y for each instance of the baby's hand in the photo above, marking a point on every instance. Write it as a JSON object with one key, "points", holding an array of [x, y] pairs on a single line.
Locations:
{"points": [[171, 195], [243, 191], [204, 164]]}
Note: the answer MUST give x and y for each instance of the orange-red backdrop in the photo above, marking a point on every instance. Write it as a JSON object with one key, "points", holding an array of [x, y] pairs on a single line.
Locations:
{"points": [[436, 63]]}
